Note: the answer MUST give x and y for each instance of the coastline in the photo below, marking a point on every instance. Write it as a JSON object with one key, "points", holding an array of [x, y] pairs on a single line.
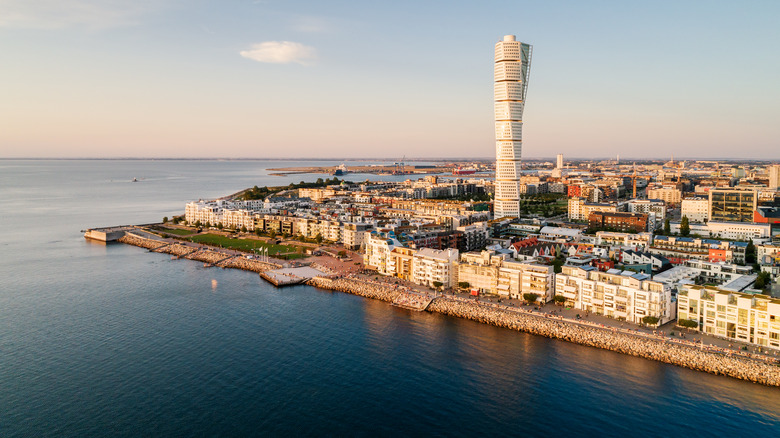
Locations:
{"points": [[675, 352]]}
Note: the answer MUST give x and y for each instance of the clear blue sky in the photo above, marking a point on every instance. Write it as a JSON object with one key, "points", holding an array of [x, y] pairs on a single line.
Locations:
{"points": [[208, 78]]}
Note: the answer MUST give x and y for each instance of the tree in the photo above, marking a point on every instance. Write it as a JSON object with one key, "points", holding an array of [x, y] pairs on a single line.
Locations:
{"points": [[197, 223], [559, 299], [688, 323], [437, 284], [685, 228], [243, 228], [165, 219], [318, 238], [463, 284], [176, 220], [342, 254], [650, 320], [762, 280], [530, 298], [750, 253], [220, 226], [667, 226]]}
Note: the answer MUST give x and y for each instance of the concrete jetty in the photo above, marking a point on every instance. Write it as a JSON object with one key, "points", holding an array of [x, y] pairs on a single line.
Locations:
{"points": [[290, 276], [107, 234]]}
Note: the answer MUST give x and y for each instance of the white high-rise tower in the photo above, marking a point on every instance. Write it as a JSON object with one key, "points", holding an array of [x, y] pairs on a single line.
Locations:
{"points": [[513, 61]]}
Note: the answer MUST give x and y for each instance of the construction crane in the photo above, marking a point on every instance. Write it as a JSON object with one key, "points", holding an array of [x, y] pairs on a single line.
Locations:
{"points": [[400, 168]]}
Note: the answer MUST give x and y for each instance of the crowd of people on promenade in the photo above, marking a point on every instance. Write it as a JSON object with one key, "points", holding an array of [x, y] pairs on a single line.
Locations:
{"points": [[412, 300]]}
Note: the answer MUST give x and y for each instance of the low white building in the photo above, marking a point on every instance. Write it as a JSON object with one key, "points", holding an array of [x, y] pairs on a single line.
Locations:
{"points": [[638, 241], [733, 315], [728, 230]]}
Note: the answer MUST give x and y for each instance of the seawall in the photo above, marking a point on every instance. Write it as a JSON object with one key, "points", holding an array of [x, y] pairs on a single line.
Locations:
{"points": [[647, 347], [662, 350], [208, 256]]}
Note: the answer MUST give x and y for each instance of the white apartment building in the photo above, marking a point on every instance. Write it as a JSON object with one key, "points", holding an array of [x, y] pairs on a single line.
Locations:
{"points": [[431, 265], [494, 273], [696, 209], [669, 195], [238, 219], [378, 247], [353, 234], [617, 294], [768, 254], [733, 315], [511, 68], [638, 241], [330, 230], [207, 212], [728, 230]]}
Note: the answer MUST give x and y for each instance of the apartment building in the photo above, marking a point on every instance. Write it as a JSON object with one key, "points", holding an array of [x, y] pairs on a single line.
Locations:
{"points": [[696, 209], [670, 195], [496, 273], [433, 265], [733, 315], [735, 204], [617, 294]]}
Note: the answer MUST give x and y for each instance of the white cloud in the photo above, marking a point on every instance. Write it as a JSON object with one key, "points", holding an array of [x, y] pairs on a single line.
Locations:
{"points": [[281, 52], [55, 14]]}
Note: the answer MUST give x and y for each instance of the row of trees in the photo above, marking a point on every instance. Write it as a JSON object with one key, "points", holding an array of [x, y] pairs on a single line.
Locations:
{"points": [[265, 191]]}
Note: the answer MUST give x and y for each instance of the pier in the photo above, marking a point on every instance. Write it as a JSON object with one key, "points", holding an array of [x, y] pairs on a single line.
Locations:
{"points": [[413, 301], [290, 276]]}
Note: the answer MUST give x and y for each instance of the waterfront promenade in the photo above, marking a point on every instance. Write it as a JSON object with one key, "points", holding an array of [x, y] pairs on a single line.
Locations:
{"points": [[695, 356], [713, 359]]}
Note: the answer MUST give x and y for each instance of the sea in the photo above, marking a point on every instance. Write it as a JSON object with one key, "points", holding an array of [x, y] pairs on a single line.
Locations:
{"points": [[112, 340]]}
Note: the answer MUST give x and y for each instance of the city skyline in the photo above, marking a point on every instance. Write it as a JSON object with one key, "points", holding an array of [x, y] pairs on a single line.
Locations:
{"points": [[247, 79]]}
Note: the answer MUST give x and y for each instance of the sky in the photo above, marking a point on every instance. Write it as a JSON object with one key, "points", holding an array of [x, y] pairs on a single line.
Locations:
{"points": [[349, 79]]}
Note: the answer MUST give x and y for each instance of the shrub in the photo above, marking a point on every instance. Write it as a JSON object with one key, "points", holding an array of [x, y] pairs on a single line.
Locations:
{"points": [[650, 320], [688, 323], [530, 298]]}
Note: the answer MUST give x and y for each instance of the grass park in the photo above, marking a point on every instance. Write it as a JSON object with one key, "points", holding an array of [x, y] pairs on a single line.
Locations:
{"points": [[249, 245]]}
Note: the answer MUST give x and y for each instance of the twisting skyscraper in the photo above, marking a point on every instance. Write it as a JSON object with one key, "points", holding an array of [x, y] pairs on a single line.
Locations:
{"points": [[513, 61]]}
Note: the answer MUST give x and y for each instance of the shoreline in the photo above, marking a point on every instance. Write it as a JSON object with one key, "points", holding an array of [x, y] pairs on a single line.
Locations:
{"points": [[675, 352]]}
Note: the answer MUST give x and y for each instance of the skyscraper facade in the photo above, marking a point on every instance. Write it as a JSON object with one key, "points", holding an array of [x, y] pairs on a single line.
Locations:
{"points": [[774, 176], [512, 65]]}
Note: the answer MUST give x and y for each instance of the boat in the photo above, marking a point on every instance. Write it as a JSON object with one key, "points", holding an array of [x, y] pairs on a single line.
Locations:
{"points": [[134, 180], [341, 170], [466, 171]]}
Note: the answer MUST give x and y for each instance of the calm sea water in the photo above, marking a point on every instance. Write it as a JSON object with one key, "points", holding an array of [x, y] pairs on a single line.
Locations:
{"points": [[112, 340]]}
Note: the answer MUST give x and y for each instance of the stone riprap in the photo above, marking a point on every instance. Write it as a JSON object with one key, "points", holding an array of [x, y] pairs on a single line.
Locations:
{"points": [[589, 334]]}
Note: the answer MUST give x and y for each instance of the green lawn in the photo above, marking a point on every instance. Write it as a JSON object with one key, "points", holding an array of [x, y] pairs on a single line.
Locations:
{"points": [[247, 245]]}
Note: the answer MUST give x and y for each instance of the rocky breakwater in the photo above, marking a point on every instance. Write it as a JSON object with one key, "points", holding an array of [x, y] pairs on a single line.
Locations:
{"points": [[248, 264], [648, 347], [134, 240], [364, 288], [206, 255]]}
